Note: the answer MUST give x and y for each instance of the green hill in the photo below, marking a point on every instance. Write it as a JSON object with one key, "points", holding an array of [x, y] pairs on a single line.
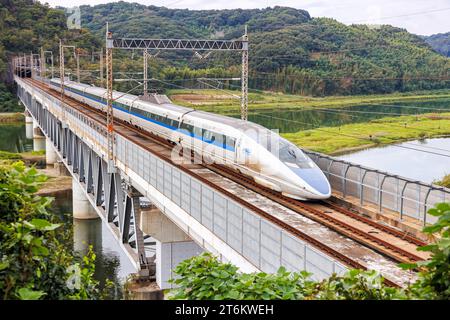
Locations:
{"points": [[440, 42], [27, 25], [289, 50]]}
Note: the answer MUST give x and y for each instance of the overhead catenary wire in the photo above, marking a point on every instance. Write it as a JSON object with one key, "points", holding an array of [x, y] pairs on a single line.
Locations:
{"points": [[337, 111], [356, 137], [408, 107]]}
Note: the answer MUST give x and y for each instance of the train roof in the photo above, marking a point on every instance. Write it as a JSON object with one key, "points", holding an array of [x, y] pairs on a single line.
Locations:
{"points": [[238, 124], [235, 123]]}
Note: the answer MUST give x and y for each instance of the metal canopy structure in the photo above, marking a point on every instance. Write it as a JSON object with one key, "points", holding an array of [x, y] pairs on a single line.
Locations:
{"points": [[240, 45], [180, 44]]}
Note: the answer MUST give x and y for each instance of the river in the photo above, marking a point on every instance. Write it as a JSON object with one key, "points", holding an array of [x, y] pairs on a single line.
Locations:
{"points": [[424, 160]]}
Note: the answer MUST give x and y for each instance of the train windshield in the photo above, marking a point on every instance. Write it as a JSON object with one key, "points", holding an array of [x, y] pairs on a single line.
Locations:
{"points": [[289, 153]]}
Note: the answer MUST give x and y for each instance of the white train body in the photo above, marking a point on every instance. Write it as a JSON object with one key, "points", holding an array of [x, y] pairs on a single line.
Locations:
{"points": [[251, 149]]}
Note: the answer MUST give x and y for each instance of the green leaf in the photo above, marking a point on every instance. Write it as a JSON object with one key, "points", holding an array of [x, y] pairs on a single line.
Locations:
{"points": [[407, 266], [443, 206], [41, 224], [4, 265], [429, 247], [434, 212], [28, 294]]}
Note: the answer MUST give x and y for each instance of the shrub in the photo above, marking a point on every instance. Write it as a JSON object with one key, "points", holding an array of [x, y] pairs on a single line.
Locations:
{"points": [[205, 277], [35, 263]]}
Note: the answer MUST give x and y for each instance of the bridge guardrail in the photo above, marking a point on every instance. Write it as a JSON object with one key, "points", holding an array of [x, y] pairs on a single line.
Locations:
{"points": [[387, 191]]}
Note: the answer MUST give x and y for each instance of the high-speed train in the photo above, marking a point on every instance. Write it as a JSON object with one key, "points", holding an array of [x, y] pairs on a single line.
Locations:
{"points": [[249, 148]]}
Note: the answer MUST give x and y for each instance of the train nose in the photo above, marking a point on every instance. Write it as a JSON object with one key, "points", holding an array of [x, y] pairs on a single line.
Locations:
{"points": [[315, 179]]}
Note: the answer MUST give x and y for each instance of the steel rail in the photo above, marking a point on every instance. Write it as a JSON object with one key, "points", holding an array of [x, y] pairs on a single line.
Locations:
{"points": [[320, 216]]}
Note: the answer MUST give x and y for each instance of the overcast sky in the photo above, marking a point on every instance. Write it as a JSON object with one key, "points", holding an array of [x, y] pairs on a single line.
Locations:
{"points": [[423, 17]]}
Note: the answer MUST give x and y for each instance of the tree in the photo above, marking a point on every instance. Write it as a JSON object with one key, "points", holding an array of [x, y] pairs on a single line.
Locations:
{"points": [[35, 262]]}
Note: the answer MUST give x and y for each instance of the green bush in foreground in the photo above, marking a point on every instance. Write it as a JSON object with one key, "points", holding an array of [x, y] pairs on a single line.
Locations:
{"points": [[204, 277], [434, 280], [34, 261]]}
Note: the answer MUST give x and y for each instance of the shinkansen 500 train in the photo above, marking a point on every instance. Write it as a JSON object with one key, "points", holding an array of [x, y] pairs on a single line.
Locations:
{"points": [[249, 148]]}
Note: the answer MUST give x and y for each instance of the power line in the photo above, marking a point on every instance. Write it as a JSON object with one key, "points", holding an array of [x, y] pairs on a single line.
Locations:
{"points": [[371, 47], [356, 137], [408, 107], [403, 15], [312, 77], [428, 147], [341, 111]]}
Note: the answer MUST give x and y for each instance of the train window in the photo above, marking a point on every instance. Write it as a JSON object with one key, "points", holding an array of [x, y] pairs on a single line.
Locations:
{"points": [[213, 137], [185, 127], [135, 110], [167, 121], [123, 107], [230, 142]]}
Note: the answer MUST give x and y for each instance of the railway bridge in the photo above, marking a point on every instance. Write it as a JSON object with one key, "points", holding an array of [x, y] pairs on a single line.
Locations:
{"points": [[371, 222]]}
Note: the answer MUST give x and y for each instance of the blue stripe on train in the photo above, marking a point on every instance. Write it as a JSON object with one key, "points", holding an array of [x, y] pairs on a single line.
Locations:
{"points": [[149, 119]]}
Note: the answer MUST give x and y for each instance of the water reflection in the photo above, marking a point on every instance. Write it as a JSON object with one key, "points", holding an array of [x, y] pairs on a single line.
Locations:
{"points": [[111, 263], [431, 163], [13, 139], [295, 120]]}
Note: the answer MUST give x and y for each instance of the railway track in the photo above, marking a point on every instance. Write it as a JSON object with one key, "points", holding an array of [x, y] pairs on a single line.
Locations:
{"points": [[322, 212], [386, 240]]}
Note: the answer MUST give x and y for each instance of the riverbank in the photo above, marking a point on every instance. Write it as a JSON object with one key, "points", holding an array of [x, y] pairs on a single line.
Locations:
{"points": [[56, 184], [11, 117], [29, 158], [357, 136], [227, 101]]}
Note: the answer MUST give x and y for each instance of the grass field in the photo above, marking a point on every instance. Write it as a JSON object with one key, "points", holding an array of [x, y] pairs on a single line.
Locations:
{"points": [[333, 140], [227, 101], [337, 140]]}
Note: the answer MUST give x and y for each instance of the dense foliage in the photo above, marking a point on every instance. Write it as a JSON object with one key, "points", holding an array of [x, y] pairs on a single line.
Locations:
{"points": [[25, 26], [434, 279], [204, 277], [35, 262], [289, 51], [440, 42]]}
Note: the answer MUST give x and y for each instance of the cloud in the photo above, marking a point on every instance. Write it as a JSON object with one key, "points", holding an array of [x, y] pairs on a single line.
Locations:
{"points": [[417, 16]]}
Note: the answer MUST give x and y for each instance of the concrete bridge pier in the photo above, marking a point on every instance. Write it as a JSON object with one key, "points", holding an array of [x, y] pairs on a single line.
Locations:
{"points": [[28, 125], [38, 138], [85, 233], [82, 208], [172, 244], [51, 157]]}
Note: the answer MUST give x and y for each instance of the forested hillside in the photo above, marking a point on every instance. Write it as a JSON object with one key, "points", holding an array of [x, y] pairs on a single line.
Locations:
{"points": [[25, 26], [289, 50], [440, 42]]}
